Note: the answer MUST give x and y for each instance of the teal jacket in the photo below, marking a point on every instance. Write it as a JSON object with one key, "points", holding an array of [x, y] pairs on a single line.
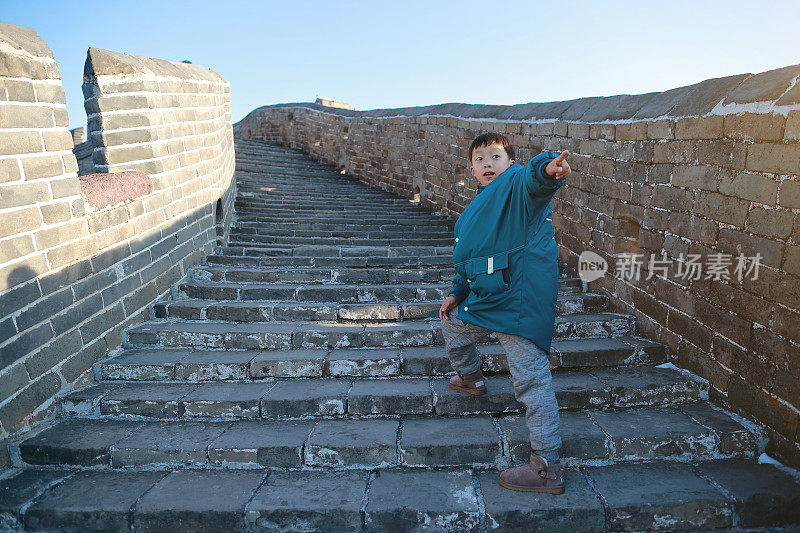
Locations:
{"points": [[505, 254]]}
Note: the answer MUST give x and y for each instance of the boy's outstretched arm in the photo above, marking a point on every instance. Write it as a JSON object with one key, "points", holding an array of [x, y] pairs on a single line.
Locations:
{"points": [[547, 172]]}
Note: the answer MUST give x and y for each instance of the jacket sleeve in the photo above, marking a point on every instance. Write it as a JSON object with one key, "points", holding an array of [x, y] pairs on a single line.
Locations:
{"points": [[537, 183], [460, 288]]}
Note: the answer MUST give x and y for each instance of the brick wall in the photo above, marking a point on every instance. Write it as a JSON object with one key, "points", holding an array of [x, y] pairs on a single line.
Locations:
{"points": [[709, 168], [82, 258]]}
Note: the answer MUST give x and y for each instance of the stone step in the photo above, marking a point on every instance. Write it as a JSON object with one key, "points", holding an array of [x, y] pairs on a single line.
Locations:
{"points": [[445, 261], [711, 495], [185, 364], [317, 292], [686, 432], [620, 387], [261, 311], [342, 219], [400, 242], [286, 335], [411, 292], [444, 227], [360, 232], [322, 250], [236, 274]]}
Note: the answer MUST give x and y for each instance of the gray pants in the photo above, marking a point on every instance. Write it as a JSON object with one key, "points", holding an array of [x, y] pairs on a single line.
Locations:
{"points": [[530, 370]]}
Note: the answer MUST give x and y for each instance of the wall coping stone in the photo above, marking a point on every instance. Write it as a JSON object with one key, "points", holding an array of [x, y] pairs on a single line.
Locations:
{"points": [[775, 91], [101, 62], [103, 189]]}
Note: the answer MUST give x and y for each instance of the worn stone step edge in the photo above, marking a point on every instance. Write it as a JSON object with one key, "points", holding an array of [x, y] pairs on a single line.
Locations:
{"points": [[258, 311], [189, 364], [601, 437], [272, 335], [720, 495], [311, 397]]}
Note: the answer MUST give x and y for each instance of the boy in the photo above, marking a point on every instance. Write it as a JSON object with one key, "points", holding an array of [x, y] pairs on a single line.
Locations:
{"points": [[507, 282]]}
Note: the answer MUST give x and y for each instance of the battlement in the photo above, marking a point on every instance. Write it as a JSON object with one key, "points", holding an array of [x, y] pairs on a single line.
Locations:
{"points": [[81, 259]]}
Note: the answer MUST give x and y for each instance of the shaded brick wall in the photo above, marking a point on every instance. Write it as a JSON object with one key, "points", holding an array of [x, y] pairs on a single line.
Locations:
{"points": [[76, 269], [709, 168]]}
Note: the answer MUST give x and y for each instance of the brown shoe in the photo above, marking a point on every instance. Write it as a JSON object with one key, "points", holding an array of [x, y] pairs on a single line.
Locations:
{"points": [[537, 476], [471, 383]]}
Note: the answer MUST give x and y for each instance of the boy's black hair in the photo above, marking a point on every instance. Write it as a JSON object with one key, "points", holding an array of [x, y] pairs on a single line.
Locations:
{"points": [[485, 139]]}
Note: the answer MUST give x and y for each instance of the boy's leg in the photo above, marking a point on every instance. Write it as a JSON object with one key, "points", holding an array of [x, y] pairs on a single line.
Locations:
{"points": [[533, 387], [460, 339]]}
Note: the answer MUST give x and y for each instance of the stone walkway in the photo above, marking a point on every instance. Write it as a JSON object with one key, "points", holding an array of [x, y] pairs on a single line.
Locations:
{"points": [[299, 384]]}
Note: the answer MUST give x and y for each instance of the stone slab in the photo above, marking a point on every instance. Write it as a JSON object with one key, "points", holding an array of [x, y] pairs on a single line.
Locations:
{"points": [[143, 364], [167, 443], [577, 510], [288, 363], [197, 500], [76, 442], [262, 442], [226, 400], [499, 398], [763, 495], [655, 432], [662, 496], [213, 365], [449, 441], [593, 352], [580, 390], [354, 443], [425, 500], [651, 386], [90, 501], [18, 490], [390, 396], [425, 361], [308, 397], [155, 400], [308, 501], [363, 362], [581, 438], [733, 438]]}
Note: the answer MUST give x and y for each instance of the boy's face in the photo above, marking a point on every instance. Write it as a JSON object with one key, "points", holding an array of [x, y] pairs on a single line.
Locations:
{"points": [[488, 162]]}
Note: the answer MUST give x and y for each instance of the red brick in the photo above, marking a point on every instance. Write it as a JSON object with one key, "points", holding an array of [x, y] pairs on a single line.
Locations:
{"points": [[650, 306], [772, 223], [790, 194], [633, 131], [774, 286], [693, 227], [755, 127], [726, 154], [723, 208], [787, 324], [773, 157], [661, 129], [755, 187], [699, 128], [672, 198], [787, 387], [690, 329], [726, 324], [735, 242], [675, 152]]}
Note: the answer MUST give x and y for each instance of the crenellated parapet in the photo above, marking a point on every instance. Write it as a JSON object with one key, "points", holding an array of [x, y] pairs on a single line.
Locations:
{"points": [[82, 258]]}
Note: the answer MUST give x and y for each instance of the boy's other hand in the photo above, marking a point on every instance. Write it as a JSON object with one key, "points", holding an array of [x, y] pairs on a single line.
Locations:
{"points": [[559, 167], [449, 303]]}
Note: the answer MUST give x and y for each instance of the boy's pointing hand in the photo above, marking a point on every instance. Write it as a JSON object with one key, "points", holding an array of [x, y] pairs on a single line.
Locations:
{"points": [[559, 167]]}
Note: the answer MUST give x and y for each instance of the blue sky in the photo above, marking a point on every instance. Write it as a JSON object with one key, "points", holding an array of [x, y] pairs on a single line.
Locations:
{"points": [[374, 54]]}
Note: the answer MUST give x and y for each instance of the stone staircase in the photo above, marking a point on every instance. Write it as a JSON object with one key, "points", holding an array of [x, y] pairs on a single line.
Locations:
{"points": [[298, 382]]}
